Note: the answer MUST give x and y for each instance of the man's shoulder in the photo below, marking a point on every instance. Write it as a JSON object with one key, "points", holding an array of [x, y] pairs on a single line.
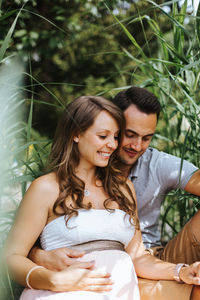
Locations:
{"points": [[157, 160], [151, 154], [162, 161], [155, 154]]}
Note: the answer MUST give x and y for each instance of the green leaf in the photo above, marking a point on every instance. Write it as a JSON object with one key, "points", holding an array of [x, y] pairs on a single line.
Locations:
{"points": [[198, 22], [8, 14], [6, 41], [34, 34], [20, 33], [128, 34]]}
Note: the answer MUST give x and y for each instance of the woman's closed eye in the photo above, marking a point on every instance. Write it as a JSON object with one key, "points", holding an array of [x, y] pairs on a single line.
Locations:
{"points": [[103, 137]]}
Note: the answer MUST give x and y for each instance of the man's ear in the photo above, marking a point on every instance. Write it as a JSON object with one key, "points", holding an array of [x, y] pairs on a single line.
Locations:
{"points": [[76, 139]]}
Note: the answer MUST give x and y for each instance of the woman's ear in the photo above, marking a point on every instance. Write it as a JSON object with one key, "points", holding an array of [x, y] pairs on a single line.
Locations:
{"points": [[76, 139]]}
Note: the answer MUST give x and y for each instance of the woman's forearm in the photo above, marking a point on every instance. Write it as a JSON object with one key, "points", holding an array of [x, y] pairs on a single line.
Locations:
{"points": [[19, 266], [148, 266], [79, 276]]}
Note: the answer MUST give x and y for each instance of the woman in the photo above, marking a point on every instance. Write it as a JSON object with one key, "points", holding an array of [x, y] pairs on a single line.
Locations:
{"points": [[85, 198]]}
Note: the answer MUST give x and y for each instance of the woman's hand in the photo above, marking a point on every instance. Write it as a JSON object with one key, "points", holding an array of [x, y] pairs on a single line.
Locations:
{"points": [[55, 260], [81, 276], [191, 274]]}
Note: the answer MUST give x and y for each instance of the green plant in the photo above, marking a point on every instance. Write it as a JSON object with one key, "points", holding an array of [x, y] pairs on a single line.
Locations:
{"points": [[172, 73], [22, 151]]}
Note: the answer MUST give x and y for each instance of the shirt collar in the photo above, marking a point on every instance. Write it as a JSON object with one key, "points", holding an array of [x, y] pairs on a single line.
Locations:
{"points": [[134, 171]]}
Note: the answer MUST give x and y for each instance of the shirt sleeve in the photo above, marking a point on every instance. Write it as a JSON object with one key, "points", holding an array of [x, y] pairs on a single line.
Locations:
{"points": [[171, 173]]}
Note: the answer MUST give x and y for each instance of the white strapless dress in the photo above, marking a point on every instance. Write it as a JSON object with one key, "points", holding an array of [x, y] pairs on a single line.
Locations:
{"points": [[90, 225]]}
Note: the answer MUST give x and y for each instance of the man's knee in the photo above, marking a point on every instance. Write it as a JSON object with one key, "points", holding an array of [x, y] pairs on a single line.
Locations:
{"points": [[195, 225], [195, 295], [163, 290]]}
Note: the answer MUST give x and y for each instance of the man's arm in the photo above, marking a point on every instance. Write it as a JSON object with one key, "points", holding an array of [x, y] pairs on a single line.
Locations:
{"points": [[193, 185], [55, 260]]}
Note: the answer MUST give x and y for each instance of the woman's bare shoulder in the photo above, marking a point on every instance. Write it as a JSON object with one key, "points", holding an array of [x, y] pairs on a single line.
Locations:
{"points": [[45, 186], [47, 181]]}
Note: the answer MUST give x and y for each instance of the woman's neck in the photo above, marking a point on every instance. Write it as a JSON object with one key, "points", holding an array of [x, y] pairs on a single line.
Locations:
{"points": [[88, 175]]}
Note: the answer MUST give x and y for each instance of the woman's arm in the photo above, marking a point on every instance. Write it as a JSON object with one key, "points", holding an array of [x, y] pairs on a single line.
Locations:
{"points": [[30, 220], [148, 266]]}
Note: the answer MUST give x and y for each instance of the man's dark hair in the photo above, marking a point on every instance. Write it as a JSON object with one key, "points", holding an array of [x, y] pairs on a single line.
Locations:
{"points": [[144, 100]]}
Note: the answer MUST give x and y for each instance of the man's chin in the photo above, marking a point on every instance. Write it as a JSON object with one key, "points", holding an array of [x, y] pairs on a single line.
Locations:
{"points": [[131, 161], [127, 160]]}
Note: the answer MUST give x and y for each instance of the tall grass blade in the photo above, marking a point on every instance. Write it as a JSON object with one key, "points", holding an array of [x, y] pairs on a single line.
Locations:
{"points": [[128, 34], [7, 39], [198, 22]]}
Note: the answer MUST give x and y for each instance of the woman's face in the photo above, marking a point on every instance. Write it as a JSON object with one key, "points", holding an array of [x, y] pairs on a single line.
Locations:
{"points": [[98, 142]]}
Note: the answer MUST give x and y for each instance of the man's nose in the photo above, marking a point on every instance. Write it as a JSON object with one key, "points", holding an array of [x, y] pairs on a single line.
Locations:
{"points": [[137, 144]]}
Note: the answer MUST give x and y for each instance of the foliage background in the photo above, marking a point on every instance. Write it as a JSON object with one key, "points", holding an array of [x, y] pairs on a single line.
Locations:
{"points": [[74, 48], [71, 48]]}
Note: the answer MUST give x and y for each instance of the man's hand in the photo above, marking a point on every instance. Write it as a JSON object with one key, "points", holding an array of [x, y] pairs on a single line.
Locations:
{"points": [[55, 260]]}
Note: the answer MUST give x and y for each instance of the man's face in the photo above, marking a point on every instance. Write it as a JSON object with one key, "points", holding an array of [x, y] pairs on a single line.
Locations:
{"points": [[140, 129]]}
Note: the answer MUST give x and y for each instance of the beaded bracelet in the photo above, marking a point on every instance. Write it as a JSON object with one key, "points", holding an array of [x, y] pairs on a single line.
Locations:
{"points": [[29, 273]]}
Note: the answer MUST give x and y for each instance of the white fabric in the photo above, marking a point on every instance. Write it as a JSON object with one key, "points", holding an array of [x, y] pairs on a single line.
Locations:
{"points": [[122, 272], [93, 224]]}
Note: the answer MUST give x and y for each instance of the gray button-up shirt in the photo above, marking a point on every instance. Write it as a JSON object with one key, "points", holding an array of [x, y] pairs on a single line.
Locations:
{"points": [[154, 175]]}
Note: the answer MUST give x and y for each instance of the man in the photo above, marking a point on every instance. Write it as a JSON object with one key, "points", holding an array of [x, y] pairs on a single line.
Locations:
{"points": [[153, 174]]}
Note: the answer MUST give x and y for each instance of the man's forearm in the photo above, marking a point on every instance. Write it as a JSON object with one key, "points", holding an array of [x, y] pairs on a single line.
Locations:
{"points": [[57, 259]]}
